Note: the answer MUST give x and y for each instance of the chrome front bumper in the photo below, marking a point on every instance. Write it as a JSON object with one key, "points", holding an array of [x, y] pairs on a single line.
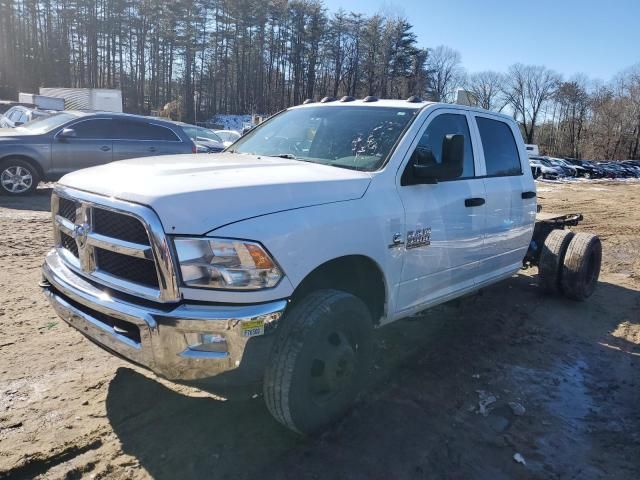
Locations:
{"points": [[159, 339]]}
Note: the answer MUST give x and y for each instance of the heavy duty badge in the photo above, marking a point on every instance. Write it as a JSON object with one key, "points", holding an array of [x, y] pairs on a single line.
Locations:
{"points": [[418, 238]]}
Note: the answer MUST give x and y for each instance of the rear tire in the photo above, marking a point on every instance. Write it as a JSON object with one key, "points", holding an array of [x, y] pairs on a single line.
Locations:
{"points": [[320, 360], [581, 267], [18, 177], [552, 259]]}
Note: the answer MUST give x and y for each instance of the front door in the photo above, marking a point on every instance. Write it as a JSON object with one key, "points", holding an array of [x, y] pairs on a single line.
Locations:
{"points": [[89, 146], [444, 222]]}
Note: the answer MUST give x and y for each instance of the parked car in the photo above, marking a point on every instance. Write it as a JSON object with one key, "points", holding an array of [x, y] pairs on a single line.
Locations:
{"points": [[633, 166], [228, 136], [616, 170], [273, 263], [50, 147], [567, 169], [19, 115], [586, 169], [547, 170], [206, 140]]}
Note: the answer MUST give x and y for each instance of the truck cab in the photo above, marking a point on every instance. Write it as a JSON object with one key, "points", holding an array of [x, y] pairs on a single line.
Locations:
{"points": [[326, 221]]}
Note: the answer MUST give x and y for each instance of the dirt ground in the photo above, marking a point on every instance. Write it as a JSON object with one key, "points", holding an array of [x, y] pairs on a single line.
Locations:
{"points": [[558, 382]]}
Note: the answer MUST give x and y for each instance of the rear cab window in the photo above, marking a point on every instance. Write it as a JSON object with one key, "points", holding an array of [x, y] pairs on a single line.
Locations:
{"points": [[501, 154]]}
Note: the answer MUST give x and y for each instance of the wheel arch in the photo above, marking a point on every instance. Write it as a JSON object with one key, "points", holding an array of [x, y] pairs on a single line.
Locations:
{"points": [[359, 275], [25, 158]]}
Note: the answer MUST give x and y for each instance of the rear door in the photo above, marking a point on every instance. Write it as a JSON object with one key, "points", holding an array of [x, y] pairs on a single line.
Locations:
{"points": [[139, 138], [91, 145], [444, 222], [510, 196]]}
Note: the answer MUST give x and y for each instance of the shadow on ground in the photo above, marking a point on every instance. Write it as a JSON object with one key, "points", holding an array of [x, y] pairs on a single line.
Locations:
{"points": [[419, 418], [39, 201]]}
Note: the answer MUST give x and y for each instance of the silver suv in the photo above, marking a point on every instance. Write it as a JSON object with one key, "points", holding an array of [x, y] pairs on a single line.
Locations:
{"points": [[50, 147], [17, 116]]}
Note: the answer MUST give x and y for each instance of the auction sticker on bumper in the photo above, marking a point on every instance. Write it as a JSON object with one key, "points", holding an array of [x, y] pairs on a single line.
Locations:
{"points": [[252, 328]]}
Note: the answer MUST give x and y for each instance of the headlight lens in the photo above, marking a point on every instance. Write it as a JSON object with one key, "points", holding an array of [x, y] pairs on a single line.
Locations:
{"points": [[225, 264]]}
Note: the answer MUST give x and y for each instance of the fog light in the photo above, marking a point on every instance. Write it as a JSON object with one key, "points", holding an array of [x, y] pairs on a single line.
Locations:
{"points": [[206, 342]]}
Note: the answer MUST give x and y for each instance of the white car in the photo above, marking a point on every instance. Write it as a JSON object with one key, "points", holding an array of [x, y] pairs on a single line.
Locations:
{"points": [[227, 136], [547, 170], [276, 259]]}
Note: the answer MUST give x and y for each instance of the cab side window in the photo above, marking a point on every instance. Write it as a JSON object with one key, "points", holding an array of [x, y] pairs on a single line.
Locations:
{"points": [[500, 151], [429, 148]]}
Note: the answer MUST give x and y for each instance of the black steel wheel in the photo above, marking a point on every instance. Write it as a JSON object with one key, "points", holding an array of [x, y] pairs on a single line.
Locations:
{"points": [[320, 360]]}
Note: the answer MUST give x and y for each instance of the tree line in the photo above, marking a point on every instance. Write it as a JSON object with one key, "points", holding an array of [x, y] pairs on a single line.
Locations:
{"points": [[192, 59]]}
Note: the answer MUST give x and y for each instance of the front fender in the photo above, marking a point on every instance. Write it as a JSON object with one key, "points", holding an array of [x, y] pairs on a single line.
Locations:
{"points": [[301, 240], [39, 153]]}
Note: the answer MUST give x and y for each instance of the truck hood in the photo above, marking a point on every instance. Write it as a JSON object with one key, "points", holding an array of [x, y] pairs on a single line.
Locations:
{"points": [[194, 194]]}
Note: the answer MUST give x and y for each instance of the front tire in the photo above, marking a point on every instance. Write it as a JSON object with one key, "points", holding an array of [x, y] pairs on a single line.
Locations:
{"points": [[320, 360], [18, 177]]}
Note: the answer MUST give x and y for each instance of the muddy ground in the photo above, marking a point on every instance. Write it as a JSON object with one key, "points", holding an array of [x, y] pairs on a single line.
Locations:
{"points": [[571, 372]]}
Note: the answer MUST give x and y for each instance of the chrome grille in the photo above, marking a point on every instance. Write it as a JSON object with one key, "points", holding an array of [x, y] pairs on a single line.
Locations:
{"points": [[138, 270], [67, 209], [69, 243], [120, 226], [116, 243]]}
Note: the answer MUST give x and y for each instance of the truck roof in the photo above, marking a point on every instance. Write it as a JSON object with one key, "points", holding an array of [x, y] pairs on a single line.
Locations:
{"points": [[411, 103]]}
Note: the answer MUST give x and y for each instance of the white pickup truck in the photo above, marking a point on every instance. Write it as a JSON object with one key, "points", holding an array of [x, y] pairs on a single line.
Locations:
{"points": [[275, 259]]}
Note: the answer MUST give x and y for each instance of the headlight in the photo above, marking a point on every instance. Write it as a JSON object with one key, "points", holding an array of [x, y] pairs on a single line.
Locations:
{"points": [[225, 264]]}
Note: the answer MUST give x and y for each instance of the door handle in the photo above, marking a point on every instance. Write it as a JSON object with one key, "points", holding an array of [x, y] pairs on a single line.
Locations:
{"points": [[153, 149], [526, 195], [473, 202], [104, 148]]}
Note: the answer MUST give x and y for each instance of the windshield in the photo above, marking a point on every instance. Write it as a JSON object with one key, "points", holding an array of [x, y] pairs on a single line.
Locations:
{"points": [[46, 124], [197, 133], [359, 138]]}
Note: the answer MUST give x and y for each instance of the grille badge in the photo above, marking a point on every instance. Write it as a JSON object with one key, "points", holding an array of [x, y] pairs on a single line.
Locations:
{"points": [[80, 234]]}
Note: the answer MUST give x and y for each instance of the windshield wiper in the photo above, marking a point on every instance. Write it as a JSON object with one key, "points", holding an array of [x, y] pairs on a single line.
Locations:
{"points": [[289, 156]]}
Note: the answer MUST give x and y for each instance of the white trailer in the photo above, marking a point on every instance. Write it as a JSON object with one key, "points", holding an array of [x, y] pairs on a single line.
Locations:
{"points": [[100, 99], [42, 101]]}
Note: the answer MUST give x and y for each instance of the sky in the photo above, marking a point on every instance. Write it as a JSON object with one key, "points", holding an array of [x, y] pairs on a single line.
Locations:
{"points": [[597, 38]]}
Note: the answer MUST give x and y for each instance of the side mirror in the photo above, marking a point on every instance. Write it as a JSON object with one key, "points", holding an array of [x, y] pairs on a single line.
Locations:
{"points": [[451, 166], [18, 124], [67, 133]]}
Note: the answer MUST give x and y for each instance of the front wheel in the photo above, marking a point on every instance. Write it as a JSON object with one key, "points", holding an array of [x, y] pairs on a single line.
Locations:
{"points": [[319, 361], [18, 177]]}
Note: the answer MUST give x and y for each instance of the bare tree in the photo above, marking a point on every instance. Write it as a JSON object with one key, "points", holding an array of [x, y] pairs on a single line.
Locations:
{"points": [[573, 101], [445, 73], [527, 89], [486, 89]]}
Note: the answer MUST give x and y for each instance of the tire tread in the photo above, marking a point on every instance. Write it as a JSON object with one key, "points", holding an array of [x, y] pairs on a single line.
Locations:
{"points": [[551, 260]]}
